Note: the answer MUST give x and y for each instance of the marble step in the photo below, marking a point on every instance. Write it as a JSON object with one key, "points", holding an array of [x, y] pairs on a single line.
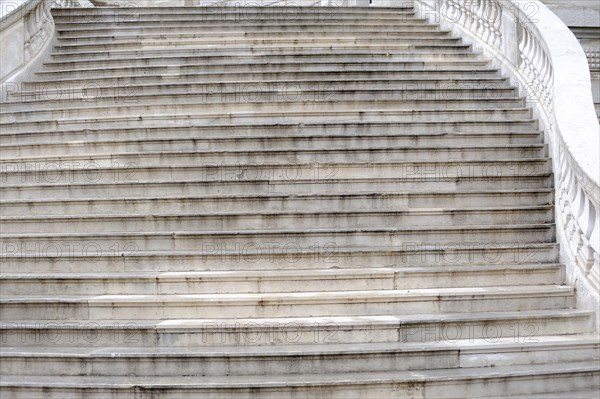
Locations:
{"points": [[252, 220], [286, 360], [124, 257], [301, 304], [544, 380], [392, 201], [268, 281], [150, 143]]}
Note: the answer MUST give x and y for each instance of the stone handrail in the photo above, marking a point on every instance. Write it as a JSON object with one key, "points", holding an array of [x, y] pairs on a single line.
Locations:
{"points": [[26, 38], [546, 62]]}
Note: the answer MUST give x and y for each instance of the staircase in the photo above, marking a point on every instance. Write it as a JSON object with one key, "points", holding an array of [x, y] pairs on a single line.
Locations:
{"points": [[279, 203]]}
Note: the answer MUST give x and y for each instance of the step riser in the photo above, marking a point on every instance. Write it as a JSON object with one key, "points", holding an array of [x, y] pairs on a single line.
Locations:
{"points": [[240, 105], [416, 77], [97, 34], [266, 40], [156, 56], [257, 144], [292, 99], [43, 286], [70, 90], [347, 203], [408, 131], [298, 154], [195, 310], [212, 187], [215, 333], [463, 388], [96, 94], [471, 69], [91, 245], [318, 116], [90, 172], [125, 258], [248, 222], [198, 366]]}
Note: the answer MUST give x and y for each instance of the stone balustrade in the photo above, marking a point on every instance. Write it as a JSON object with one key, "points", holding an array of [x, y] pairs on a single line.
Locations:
{"points": [[544, 59], [26, 37]]}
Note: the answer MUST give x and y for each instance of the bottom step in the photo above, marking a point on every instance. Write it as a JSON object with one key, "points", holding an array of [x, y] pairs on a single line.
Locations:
{"points": [[490, 382]]}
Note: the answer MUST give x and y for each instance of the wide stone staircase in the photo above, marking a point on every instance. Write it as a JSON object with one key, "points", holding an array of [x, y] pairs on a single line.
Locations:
{"points": [[279, 203]]}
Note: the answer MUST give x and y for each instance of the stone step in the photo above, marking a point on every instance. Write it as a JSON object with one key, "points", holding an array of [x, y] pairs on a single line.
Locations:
{"points": [[302, 304], [278, 98], [469, 67], [235, 13], [275, 118], [465, 383], [271, 202], [123, 257], [177, 75], [53, 92], [274, 280], [43, 185], [324, 34], [342, 154], [248, 221], [343, 52], [279, 54], [98, 32], [234, 17], [271, 173], [472, 382], [98, 243], [523, 326], [285, 360], [309, 103], [123, 128], [179, 142]]}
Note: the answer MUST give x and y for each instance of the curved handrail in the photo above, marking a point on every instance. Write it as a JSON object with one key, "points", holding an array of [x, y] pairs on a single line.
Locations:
{"points": [[545, 60]]}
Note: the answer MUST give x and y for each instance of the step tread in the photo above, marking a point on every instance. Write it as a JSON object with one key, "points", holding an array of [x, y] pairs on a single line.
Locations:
{"points": [[298, 213], [464, 346], [372, 321], [304, 379], [303, 297]]}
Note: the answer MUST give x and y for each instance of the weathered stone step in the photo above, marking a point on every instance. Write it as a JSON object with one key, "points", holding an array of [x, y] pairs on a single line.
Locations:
{"points": [[176, 68], [292, 171], [376, 154], [277, 116], [473, 382], [335, 303], [275, 280], [430, 49], [97, 33], [248, 221], [523, 326], [262, 202], [512, 127], [169, 240], [280, 98], [145, 56], [53, 92], [84, 257], [176, 76], [43, 185], [198, 142]]}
